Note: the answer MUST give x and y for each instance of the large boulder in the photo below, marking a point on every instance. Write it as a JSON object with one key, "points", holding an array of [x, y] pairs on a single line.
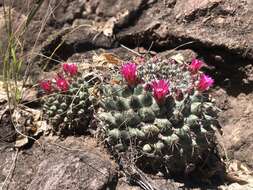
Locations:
{"points": [[221, 24], [70, 164]]}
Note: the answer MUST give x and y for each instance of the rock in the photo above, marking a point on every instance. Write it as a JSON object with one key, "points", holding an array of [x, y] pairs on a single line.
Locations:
{"points": [[165, 24], [187, 54], [109, 8], [71, 171], [193, 8], [83, 39], [71, 164], [123, 185], [208, 24], [160, 183], [237, 128], [169, 184]]}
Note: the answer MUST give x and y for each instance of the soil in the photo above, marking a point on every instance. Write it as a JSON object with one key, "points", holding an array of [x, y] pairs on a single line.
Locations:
{"points": [[218, 31]]}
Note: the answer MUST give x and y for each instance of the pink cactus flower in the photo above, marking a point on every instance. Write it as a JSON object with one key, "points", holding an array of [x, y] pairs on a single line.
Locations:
{"points": [[129, 73], [46, 86], [195, 65], [70, 68], [160, 90], [62, 83], [205, 82]]}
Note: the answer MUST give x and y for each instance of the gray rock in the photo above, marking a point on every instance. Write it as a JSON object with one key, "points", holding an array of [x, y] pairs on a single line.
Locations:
{"points": [[211, 24], [71, 164], [71, 171]]}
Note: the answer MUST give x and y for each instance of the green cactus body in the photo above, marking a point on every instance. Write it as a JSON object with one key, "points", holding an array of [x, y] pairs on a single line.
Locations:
{"points": [[68, 112], [177, 73], [175, 133]]}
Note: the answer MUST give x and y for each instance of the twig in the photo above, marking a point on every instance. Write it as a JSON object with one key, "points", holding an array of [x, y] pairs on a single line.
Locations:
{"points": [[95, 37], [130, 50], [138, 177], [135, 175], [149, 49], [182, 45], [42, 55], [10, 171]]}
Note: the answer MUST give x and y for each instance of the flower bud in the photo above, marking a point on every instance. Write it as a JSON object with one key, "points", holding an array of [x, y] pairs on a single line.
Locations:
{"points": [[195, 65], [46, 86], [70, 68], [205, 82], [129, 73]]}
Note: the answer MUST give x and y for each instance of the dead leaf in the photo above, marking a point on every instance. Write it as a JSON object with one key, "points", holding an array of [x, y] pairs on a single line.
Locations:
{"points": [[42, 127], [29, 94], [21, 142], [112, 58], [178, 58], [106, 60], [26, 121]]}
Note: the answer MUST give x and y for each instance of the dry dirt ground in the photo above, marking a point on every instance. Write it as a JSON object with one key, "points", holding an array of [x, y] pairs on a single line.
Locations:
{"points": [[218, 31]]}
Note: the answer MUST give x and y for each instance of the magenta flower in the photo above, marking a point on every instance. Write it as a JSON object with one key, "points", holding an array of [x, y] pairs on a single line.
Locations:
{"points": [[62, 83], [195, 65], [46, 85], [70, 68], [205, 82], [160, 90], [129, 73]]}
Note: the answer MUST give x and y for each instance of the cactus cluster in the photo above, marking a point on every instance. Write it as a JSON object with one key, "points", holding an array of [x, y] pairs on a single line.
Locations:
{"points": [[68, 112], [174, 132], [158, 111], [68, 108]]}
